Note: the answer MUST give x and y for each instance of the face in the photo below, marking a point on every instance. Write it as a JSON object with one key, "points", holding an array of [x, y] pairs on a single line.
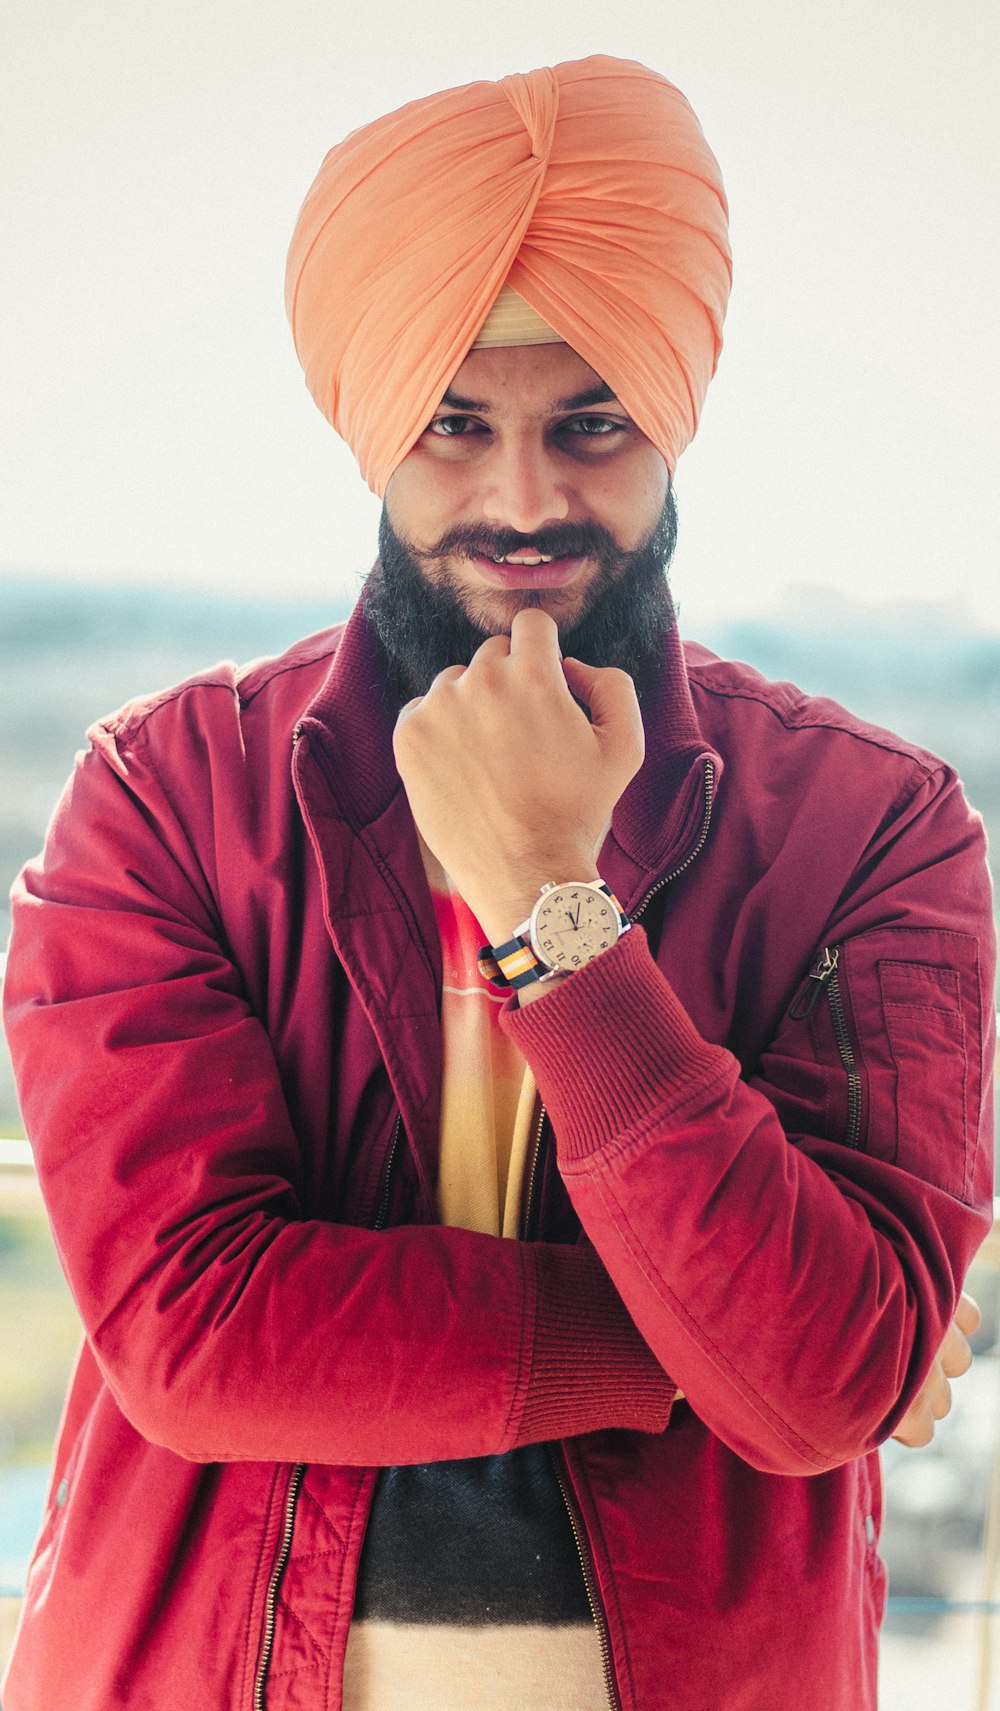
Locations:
{"points": [[545, 494], [529, 486]]}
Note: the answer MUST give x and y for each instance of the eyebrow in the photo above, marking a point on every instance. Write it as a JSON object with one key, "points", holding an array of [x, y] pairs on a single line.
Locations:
{"points": [[599, 394]]}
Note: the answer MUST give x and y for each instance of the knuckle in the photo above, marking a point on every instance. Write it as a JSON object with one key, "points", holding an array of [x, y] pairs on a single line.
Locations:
{"points": [[536, 673]]}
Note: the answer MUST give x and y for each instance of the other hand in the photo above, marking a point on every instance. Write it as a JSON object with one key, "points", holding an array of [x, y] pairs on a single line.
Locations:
{"points": [[953, 1358]]}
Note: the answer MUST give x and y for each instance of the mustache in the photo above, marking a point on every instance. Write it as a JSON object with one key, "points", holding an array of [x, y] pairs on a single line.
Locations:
{"points": [[563, 540]]}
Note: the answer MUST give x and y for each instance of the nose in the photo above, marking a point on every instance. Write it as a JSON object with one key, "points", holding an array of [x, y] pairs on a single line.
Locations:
{"points": [[524, 490]]}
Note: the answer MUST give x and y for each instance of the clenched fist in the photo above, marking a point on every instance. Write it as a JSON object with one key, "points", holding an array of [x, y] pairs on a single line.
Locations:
{"points": [[509, 782]]}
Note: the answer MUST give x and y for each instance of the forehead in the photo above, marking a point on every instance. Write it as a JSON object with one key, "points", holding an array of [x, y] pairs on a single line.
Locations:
{"points": [[537, 379]]}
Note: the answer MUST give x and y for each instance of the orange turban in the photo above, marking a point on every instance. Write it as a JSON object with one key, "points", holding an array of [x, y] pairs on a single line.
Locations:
{"points": [[588, 187]]}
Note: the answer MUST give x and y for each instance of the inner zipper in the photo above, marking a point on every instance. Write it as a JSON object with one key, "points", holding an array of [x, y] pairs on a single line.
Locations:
{"points": [[824, 977], [589, 1580]]}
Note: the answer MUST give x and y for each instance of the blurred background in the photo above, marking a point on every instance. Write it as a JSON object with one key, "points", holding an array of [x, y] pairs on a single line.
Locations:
{"points": [[169, 495]]}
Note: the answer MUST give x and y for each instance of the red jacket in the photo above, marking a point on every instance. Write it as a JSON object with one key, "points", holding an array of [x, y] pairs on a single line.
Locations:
{"points": [[222, 1002]]}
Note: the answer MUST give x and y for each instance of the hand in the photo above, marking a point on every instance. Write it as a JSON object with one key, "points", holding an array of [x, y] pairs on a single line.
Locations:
{"points": [[509, 782], [952, 1359]]}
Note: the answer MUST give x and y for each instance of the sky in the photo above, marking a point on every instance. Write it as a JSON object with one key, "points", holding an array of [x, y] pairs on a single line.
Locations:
{"points": [[154, 425]]}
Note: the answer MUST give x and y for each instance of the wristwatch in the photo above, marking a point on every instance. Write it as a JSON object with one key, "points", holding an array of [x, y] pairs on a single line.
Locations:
{"points": [[569, 925]]}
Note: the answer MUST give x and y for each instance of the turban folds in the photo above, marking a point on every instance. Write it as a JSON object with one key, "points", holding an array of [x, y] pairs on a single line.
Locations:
{"points": [[588, 187]]}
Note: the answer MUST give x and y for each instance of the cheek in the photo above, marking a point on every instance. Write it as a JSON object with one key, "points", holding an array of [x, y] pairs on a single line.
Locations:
{"points": [[420, 500], [649, 495], [655, 479], [629, 502]]}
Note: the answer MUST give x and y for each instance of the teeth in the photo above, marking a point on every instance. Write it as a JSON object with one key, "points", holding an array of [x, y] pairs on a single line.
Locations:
{"points": [[526, 558]]}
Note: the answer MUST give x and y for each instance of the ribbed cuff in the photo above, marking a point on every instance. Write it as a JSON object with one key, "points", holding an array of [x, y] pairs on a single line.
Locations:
{"points": [[611, 1046], [590, 1369]]}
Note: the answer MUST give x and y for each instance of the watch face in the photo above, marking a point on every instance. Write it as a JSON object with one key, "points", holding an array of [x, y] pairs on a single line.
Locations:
{"points": [[572, 923]]}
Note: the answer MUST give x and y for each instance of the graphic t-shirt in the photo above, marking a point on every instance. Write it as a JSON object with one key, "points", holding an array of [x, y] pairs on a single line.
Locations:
{"points": [[471, 1594]]}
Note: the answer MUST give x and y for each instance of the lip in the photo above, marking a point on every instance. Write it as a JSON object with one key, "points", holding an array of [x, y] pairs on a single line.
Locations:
{"points": [[556, 574]]}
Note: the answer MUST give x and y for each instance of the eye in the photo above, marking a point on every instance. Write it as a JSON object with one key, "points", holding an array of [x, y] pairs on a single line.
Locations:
{"points": [[594, 427], [455, 427]]}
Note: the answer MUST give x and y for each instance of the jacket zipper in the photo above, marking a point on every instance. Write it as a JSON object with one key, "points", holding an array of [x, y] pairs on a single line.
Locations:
{"points": [[708, 799], [298, 1471], [284, 1550], [589, 1581], [824, 977]]}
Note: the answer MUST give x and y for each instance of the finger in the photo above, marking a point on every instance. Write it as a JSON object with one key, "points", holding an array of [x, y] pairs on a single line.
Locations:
{"points": [[534, 633], [916, 1428], [936, 1391], [955, 1354], [931, 1403], [941, 1399], [968, 1317], [497, 647]]}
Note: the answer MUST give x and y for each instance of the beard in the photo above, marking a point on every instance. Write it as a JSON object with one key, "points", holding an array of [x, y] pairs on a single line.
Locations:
{"points": [[425, 626]]}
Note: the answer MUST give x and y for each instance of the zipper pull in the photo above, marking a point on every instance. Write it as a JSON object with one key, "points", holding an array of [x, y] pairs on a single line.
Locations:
{"points": [[819, 976]]}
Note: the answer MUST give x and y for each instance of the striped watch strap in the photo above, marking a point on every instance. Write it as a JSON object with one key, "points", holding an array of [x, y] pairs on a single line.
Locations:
{"points": [[514, 964]]}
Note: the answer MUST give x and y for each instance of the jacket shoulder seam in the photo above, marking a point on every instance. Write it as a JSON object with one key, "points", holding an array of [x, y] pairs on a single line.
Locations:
{"points": [[238, 683], [848, 725], [131, 721]]}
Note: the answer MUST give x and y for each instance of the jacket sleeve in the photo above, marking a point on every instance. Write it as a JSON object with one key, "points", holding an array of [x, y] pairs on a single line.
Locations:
{"points": [[227, 1325], [792, 1245]]}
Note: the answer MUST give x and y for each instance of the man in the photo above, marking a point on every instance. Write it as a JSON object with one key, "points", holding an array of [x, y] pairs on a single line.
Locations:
{"points": [[496, 1294]]}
